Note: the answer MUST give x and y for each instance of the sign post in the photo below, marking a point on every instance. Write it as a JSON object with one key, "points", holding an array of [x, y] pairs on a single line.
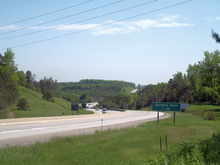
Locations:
{"points": [[74, 107], [175, 107], [158, 116], [174, 117], [101, 124]]}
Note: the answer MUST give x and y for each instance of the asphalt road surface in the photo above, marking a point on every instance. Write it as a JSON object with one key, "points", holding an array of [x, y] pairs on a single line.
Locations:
{"points": [[23, 133]]}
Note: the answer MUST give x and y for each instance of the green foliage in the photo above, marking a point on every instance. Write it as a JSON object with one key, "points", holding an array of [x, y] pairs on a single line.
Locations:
{"points": [[178, 89], [53, 100], [8, 59], [48, 95], [199, 152], [201, 84], [209, 115], [8, 79], [22, 103], [122, 101], [215, 36], [21, 78], [94, 88]]}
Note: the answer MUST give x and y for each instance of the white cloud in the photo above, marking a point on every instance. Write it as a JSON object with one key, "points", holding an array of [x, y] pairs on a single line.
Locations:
{"points": [[174, 24], [145, 23], [218, 18], [122, 30], [117, 27], [108, 31], [208, 18], [129, 27], [77, 27], [9, 27], [32, 27], [170, 18]]}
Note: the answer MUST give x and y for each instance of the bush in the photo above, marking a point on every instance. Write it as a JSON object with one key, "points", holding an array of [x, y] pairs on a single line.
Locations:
{"points": [[201, 152], [22, 104], [48, 95], [53, 100], [209, 115]]}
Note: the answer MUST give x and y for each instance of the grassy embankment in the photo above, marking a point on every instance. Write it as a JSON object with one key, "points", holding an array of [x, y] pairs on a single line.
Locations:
{"points": [[126, 146], [128, 89], [43, 108]]}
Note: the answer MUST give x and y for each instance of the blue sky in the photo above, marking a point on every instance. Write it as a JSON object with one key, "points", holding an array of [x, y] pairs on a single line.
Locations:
{"points": [[146, 49]]}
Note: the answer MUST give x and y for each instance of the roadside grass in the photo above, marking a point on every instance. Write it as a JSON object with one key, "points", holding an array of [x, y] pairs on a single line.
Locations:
{"points": [[124, 146], [42, 108], [202, 108]]}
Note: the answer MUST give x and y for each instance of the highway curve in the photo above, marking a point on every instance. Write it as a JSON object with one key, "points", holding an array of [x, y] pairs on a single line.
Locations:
{"points": [[28, 131]]}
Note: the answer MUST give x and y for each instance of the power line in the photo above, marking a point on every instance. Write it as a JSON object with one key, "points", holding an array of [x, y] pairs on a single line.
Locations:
{"points": [[61, 18], [101, 25], [47, 13], [81, 20]]}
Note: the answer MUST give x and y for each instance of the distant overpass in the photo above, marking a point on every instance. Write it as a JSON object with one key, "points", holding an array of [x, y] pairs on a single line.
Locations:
{"points": [[91, 104], [135, 90]]}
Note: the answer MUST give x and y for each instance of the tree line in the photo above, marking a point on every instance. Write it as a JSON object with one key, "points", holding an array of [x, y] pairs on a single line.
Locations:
{"points": [[94, 89], [200, 84]]}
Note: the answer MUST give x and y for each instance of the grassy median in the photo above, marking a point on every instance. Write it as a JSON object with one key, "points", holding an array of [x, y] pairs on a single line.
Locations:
{"points": [[125, 146]]}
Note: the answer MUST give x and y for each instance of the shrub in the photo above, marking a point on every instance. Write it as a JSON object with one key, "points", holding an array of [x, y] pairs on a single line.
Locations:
{"points": [[48, 95], [201, 152], [22, 104], [209, 115], [53, 100]]}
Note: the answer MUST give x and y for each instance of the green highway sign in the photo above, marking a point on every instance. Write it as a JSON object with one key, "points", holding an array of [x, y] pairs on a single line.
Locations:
{"points": [[176, 107]]}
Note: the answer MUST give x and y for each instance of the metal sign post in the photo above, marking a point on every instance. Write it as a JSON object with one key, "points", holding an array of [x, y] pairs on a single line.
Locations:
{"points": [[101, 123], [158, 116]]}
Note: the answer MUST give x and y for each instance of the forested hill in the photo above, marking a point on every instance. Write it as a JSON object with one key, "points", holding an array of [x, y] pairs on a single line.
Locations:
{"points": [[94, 88]]}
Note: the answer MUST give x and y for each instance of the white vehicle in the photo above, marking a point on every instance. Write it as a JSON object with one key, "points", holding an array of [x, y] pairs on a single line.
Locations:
{"points": [[104, 111]]}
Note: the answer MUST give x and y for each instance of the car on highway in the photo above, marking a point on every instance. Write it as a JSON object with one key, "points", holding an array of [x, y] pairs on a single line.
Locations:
{"points": [[104, 111]]}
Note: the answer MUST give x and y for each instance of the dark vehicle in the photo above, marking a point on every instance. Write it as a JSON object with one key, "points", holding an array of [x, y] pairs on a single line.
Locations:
{"points": [[104, 111]]}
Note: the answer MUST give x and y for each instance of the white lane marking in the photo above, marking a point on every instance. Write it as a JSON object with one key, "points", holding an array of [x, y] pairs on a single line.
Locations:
{"points": [[42, 128]]}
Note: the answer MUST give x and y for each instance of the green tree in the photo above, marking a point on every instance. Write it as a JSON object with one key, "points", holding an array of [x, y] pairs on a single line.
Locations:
{"points": [[8, 79], [30, 80], [209, 67], [48, 95], [21, 78], [8, 59], [23, 104], [215, 36]]}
